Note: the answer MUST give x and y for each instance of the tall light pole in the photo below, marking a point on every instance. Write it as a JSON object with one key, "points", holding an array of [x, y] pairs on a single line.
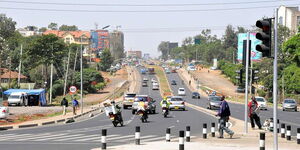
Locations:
{"points": [[275, 146], [81, 85], [246, 84], [20, 66]]}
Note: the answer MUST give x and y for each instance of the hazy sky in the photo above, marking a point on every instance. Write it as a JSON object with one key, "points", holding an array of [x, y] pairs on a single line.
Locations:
{"points": [[144, 30]]}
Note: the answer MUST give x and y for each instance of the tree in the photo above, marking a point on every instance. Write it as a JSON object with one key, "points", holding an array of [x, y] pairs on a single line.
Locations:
{"points": [[163, 47], [91, 77], [42, 29], [291, 49], [68, 28], [53, 26], [106, 60], [230, 37]]}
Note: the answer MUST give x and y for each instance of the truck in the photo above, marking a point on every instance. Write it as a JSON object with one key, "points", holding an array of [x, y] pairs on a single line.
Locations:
{"points": [[143, 71], [151, 71]]}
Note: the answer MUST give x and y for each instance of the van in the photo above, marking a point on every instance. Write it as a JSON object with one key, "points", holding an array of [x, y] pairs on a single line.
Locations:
{"points": [[18, 98]]}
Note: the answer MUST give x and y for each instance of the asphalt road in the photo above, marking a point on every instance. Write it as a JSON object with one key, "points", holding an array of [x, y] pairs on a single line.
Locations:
{"points": [[86, 134], [237, 110]]}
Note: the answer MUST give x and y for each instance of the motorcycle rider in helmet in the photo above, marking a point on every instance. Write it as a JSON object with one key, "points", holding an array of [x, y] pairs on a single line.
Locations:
{"points": [[118, 109]]}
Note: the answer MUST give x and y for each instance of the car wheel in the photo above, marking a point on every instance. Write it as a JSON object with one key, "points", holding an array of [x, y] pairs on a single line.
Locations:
{"points": [[210, 107], [283, 109], [125, 107], [133, 112], [296, 109], [183, 109]]}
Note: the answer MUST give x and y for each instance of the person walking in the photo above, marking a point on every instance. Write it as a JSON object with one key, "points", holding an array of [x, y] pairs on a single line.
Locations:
{"points": [[224, 113], [75, 105], [253, 113], [64, 104]]}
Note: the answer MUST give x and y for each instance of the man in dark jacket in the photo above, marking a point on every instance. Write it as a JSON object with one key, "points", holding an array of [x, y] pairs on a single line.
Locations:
{"points": [[253, 114], [64, 104], [224, 113]]}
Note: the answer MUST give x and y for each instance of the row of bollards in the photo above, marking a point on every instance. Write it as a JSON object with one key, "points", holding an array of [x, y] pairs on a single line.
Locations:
{"points": [[285, 133]]}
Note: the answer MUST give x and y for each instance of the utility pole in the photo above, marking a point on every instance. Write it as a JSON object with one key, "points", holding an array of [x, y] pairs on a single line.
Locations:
{"points": [[275, 146], [67, 71], [81, 86], [247, 84], [51, 82], [20, 66], [9, 80]]}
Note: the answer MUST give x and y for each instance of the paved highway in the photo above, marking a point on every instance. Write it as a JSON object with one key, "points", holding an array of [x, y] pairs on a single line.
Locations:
{"points": [[237, 110], [86, 134]]}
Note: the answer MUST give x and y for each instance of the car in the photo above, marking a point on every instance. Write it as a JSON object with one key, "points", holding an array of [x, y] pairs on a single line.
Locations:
{"points": [[167, 70], [144, 84], [145, 79], [289, 104], [173, 82], [262, 103], [196, 95], [155, 86], [153, 80], [4, 112], [214, 102], [181, 92], [151, 106], [191, 68], [240, 89], [173, 70], [17, 98], [176, 103], [128, 100]]}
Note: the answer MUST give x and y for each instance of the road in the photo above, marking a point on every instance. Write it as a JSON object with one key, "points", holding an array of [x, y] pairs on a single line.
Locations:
{"points": [[86, 134], [237, 110]]}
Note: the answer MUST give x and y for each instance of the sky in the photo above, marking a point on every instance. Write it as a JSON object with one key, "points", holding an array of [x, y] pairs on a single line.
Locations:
{"points": [[144, 23]]}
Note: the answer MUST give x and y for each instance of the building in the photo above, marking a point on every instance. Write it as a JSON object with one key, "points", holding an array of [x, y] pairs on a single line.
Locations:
{"points": [[28, 31], [99, 40], [289, 17], [116, 39], [146, 56], [134, 54], [77, 37], [6, 75]]}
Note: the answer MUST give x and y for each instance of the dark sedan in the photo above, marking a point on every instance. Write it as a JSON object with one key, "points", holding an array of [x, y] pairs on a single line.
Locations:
{"points": [[196, 95], [173, 82]]}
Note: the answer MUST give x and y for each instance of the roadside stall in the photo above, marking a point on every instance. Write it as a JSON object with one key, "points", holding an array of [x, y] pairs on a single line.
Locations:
{"points": [[34, 97]]}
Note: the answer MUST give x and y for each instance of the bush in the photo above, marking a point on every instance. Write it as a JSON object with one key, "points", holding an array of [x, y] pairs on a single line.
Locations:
{"points": [[100, 86], [91, 77], [58, 88]]}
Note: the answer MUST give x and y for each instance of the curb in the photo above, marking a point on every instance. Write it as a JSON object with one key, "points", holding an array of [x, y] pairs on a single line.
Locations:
{"points": [[28, 125]]}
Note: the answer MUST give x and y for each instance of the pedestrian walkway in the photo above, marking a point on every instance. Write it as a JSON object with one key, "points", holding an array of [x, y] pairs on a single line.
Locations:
{"points": [[76, 136]]}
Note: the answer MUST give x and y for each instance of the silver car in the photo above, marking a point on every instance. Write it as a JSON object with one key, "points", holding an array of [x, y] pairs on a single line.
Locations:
{"points": [[128, 100], [176, 103], [214, 102], [289, 104]]}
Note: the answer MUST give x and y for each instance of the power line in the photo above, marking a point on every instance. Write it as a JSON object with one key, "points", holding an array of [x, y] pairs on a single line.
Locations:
{"points": [[135, 11], [144, 5]]}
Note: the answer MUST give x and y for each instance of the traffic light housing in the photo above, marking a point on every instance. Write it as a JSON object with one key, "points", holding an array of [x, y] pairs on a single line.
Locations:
{"points": [[265, 36], [240, 76]]}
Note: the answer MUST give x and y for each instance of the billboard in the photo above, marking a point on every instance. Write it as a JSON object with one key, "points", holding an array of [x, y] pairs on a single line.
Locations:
{"points": [[255, 55]]}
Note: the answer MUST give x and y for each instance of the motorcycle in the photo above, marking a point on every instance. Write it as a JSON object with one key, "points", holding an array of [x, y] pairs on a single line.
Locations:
{"points": [[165, 110], [116, 119], [142, 112]]}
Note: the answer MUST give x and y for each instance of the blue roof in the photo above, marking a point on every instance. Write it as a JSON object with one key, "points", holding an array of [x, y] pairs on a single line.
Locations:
{"points": [[29, 92]]}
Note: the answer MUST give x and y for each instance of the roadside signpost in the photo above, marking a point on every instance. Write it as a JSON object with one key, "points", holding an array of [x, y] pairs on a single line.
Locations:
{"points": [[72, 89]]}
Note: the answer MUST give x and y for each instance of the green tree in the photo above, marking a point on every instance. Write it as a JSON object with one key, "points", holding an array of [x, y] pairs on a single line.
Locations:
{"points": [[53, 26], [106, 60], [163, 47], [42, 29], [91, 77], [68, 28]]}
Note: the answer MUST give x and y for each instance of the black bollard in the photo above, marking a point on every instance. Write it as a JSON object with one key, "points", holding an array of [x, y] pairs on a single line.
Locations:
{"points": [[137, 135], [168, 134], [103, 139], [181, 140], [262, 138], [213, 128], [188, 134], [204, 131]]}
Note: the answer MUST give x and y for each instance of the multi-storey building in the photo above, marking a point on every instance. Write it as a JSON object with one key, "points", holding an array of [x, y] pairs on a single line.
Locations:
{"points": [[289, 17]]}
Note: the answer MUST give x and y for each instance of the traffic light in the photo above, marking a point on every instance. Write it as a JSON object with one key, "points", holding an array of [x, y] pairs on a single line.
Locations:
{"points": [[264, 36], [240, 76], [254, 75]]}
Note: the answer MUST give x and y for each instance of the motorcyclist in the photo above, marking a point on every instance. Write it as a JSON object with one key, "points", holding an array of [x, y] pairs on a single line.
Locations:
{"points": [[118, 110], [165, 101], [143, 105]]}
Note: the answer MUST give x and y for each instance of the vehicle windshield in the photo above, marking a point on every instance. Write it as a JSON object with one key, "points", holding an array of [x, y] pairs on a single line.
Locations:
{"points": [[14, 96], [181, 89], [176, 99], [260, 99], [215, 98], [290, 101], [138, 99], [195, 93], [130, 95]]}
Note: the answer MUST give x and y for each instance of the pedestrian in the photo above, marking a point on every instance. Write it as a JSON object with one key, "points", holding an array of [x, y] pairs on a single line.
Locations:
{"points": [[75, 105], [190, 82], [224, 113], [64, 104], [253, 113]]}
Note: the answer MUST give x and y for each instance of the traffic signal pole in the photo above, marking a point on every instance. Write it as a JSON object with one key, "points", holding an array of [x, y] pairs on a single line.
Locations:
{"points": [[246, 84], [275, 144]]}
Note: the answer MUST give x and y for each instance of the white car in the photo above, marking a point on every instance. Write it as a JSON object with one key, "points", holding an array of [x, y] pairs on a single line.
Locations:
{"points": [[181, 92], [4, 112], [145, 79], [177, 102], [191, 68], [153, 80], [262, 103]]}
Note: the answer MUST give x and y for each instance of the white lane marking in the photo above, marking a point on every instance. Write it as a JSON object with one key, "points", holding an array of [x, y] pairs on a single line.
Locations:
{"points": [[93, 138], [116, 138], [52, 137], [78, 137], [4, 138], [171, 127], [33, 137]]}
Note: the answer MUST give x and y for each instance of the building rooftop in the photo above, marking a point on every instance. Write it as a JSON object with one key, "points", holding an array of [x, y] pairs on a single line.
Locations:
{"points": [[76, 34]]}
